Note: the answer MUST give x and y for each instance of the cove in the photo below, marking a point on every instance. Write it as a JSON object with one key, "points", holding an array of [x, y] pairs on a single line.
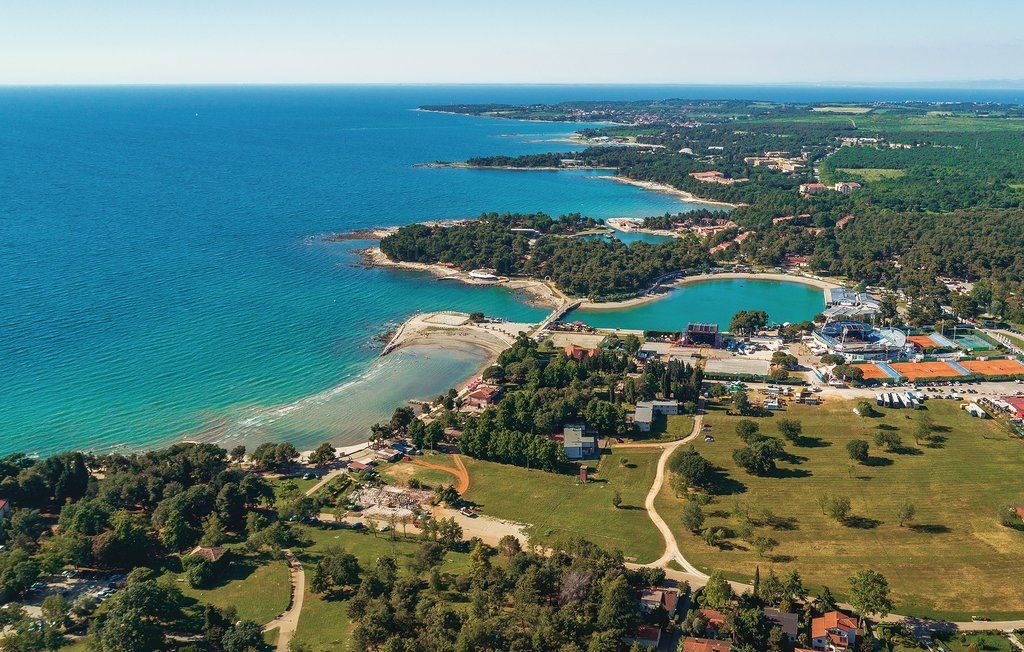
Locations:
{"points": [[712, 301]]}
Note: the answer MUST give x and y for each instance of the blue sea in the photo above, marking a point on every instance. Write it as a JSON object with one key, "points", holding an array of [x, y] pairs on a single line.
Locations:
{"points": [[163, 274]]}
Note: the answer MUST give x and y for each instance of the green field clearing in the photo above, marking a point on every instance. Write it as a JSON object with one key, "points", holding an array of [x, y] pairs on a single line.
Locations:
{"points": [[955, 561], [986, 642], [324, 624], [401, 472], [873, 174], [257, 586], [557, 506]]}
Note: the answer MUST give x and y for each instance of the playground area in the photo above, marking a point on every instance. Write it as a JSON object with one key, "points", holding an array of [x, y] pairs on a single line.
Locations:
{"points": [[1005, 367]]}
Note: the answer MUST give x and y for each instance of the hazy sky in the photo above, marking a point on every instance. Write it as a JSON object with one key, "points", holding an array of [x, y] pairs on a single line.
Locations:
{"points": [[425, 41]]}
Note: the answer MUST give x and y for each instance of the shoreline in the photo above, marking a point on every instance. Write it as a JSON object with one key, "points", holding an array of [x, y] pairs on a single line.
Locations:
{"points": [[513, 168], [550, 297], [664, 289], [685, 196], [539, 293]]}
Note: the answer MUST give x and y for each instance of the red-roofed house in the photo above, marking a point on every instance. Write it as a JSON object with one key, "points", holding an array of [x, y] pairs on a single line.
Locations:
{"points": [[5, 508], [484, 396], [646, 636], [716, 620], [705, 645], [666, 598], [211, 554], [834, 632], [579, 353]]}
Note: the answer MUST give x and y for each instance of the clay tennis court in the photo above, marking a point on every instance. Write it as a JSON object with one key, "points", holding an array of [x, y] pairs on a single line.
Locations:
{"points": [[916, 370], [922, 342], [993, 367], [873, 372]]}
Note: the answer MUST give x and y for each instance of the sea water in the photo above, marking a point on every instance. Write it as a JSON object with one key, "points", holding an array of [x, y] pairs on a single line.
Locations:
{"points": [[163, 274]]}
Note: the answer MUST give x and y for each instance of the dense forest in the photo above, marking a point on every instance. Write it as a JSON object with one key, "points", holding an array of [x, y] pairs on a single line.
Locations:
{"points": [[546, 390], [597, 269]]}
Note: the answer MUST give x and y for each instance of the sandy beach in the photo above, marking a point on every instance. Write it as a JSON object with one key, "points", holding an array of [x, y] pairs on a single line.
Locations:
{"points": [[665, 188], [663, 289], [454, 330]]}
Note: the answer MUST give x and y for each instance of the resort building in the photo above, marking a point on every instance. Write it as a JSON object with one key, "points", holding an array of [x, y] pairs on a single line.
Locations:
{"points": [[843, 221], [578, 442], [847, 187], [643, 418], [212, 554], [579, 353], [714, 176], [812, 188]]}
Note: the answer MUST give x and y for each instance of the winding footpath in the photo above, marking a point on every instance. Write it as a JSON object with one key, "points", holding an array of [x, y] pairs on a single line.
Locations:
{"points": [[288, 622], [696, 578]]}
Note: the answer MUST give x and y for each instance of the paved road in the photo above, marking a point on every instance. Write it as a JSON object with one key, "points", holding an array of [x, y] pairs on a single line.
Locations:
{"points": [[287, 622]]}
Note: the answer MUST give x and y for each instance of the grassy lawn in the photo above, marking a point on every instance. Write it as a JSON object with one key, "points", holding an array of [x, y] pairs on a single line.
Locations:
{"points": [[324, 624], [558, 506], [986, 642], [955, 560], [874, 174], [401, 472], [257, 586]]}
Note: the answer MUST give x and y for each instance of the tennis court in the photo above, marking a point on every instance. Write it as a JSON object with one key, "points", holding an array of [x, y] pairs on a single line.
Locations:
{"points": [[923, 342], [873, 372], [919, 370], [973, 342], [993, 367]]}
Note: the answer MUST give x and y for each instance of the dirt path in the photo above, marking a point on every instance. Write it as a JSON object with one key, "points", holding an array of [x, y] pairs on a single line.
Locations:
{"points": [[287, 622], [460, 472], [672, 552]]}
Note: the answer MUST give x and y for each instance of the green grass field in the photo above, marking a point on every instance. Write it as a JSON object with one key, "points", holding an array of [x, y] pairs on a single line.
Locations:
{"points": [[986, 642], [324, 624], [873, 174], [257, 586], [955, 560], [558, 506]]}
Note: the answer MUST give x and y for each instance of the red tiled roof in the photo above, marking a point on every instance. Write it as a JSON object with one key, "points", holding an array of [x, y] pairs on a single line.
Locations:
{"points": [[648, 633], [209, 553], [832, 620], [713, 616], [705, 645]]}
